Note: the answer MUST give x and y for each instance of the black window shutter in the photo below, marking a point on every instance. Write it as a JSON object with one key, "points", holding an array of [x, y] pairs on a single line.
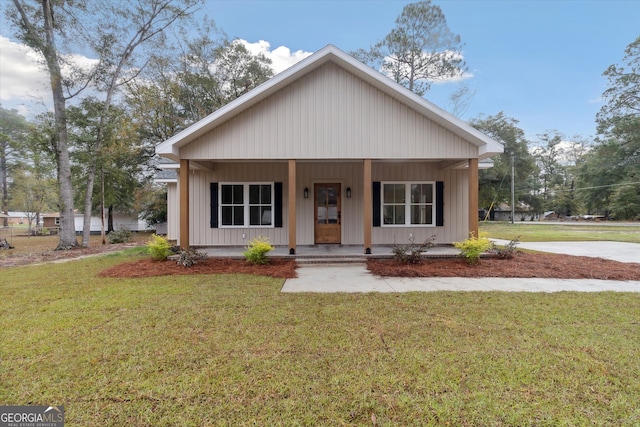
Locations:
{"points": [[214, 204], [439, 203], [376, 203], [277, 204]]}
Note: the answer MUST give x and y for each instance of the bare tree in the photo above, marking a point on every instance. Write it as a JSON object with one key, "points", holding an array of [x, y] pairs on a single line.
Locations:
{"points": [[113, 30]]}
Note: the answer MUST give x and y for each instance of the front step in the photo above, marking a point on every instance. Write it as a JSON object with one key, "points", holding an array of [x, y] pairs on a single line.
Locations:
{"points": [[331, 259]]}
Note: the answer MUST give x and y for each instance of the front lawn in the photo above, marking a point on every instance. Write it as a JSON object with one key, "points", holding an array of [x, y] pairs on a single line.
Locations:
{"points": [[554, 232], [232, 350]]}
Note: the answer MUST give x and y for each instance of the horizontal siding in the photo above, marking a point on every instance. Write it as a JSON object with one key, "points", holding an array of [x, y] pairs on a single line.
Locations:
{"points": [[329, 114]]}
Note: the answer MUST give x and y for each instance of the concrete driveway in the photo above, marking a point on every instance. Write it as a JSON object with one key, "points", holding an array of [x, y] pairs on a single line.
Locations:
{"points": [[355, 278], [616, 251]]}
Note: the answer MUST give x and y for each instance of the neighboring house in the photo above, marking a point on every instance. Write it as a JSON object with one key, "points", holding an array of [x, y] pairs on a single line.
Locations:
{"points": [[51, 220], [328, 151], [19, 218], [128, 221]]}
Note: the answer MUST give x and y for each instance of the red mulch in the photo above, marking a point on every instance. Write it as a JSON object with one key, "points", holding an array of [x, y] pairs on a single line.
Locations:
{"points": [[541, 265], [281, 268], [523, 265]]}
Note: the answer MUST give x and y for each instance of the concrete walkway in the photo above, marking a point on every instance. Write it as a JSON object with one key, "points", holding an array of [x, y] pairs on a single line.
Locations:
{"points": [[355, 278], [616, 251]]}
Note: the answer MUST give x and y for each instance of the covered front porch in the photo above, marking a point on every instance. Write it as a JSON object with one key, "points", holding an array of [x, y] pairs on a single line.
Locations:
{"points": [[325, 253], [454, 201]]}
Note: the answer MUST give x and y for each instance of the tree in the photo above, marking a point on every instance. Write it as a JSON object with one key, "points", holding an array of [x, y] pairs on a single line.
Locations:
{"points": [[419, 50], [37, 28], [610, 174], [494, 182], [32, 194], [123, 162], [182, 87], [13, 131], [113, 30]]}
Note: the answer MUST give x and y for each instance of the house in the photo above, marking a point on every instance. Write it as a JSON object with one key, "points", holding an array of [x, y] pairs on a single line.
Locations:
{"points": [[131, 222], [329, 151]]}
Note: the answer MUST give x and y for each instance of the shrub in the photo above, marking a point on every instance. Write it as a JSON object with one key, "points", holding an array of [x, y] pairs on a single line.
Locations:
{"points": [[158, 247], [121, 235], [412, 253], [188, 258], [473, 247], [508, 251], [257, 250]]}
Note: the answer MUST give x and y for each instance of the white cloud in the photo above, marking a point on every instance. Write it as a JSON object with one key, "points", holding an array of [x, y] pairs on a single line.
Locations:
{"points": [[281, 57], [24, 82], [22, 78]]}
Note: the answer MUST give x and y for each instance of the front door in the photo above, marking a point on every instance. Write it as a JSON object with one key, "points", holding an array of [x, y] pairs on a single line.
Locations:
{"points": [[327, 213]]}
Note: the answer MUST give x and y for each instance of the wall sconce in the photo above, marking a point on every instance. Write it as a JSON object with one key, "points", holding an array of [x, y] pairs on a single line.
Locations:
{"points": [[306, 193], [348, 192]]}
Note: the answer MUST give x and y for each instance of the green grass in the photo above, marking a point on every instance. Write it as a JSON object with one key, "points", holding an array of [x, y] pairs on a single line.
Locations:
{"points": [[561, 232], [232, 350]]}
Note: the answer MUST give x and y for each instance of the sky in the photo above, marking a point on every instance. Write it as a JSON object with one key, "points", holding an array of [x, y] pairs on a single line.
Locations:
{"points": [[538, 61]]}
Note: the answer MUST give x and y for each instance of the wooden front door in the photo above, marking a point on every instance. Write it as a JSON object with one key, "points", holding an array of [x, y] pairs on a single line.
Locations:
{"points": [[327, 213]]}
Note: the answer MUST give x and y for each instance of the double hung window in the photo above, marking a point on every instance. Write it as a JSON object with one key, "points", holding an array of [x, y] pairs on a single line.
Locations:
{"points": [[246, 205], [408, 203]]}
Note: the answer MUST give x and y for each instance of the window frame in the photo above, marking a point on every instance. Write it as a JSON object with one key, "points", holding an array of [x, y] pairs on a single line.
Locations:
{"points": [[407, 203], [246, 205]]}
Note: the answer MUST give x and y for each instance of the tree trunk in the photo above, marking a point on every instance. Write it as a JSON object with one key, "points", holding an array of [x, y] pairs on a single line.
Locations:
{"points": [[88, 205], [110, 220], [67, 222], [5, 190]]}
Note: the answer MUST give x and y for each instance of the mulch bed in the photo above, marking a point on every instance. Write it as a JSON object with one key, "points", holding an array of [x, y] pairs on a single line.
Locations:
{"points": [[524, 265], [281, 268]]}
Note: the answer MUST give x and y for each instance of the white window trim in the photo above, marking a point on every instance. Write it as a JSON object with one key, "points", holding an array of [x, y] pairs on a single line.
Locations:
{"points": [[245, 204], [407, 204]]}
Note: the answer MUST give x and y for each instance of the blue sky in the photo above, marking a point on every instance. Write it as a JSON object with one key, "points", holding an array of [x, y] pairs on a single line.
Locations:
{"points": [[540, 62]]}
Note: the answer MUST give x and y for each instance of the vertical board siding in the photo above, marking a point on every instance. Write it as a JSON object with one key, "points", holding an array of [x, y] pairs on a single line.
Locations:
{"points": [[173, 211], [455, 202], [201, 232], [348, 174], [328, 114]]}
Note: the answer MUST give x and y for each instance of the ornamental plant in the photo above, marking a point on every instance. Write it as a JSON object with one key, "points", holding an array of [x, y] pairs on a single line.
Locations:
{"points": [[412, 253], [257, 250], [474, 246], [158, 247]]}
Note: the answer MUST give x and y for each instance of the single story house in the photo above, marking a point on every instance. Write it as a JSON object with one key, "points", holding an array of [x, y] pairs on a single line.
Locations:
{"points": [[131, 222], [329, 151]]}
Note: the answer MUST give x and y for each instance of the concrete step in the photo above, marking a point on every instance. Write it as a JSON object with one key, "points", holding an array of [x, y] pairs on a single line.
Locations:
{"points": [[330, 259]]}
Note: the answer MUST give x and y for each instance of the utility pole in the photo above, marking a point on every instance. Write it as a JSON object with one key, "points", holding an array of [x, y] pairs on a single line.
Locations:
{"points": [[513, 193]]}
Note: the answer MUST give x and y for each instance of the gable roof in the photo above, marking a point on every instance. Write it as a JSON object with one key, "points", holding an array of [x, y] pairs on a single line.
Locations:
{"points": [[487, 146]]}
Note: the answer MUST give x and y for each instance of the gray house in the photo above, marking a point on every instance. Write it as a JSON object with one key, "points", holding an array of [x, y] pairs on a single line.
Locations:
{"points": [[329, 151]]}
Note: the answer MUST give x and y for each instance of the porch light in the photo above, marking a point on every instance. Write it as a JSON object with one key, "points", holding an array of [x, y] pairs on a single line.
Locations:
{"points": [[306, 193], [348, 192]]}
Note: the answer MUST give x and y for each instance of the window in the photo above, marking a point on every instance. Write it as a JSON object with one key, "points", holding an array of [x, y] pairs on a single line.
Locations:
{"points": [[246, 205], [407, 203]]}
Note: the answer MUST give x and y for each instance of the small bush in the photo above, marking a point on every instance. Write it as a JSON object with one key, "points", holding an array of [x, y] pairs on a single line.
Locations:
{"points": [[508, 251], [190, 258], [257, 250], [473, 247], [121, 235], [412, 253], [158, 247]]}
